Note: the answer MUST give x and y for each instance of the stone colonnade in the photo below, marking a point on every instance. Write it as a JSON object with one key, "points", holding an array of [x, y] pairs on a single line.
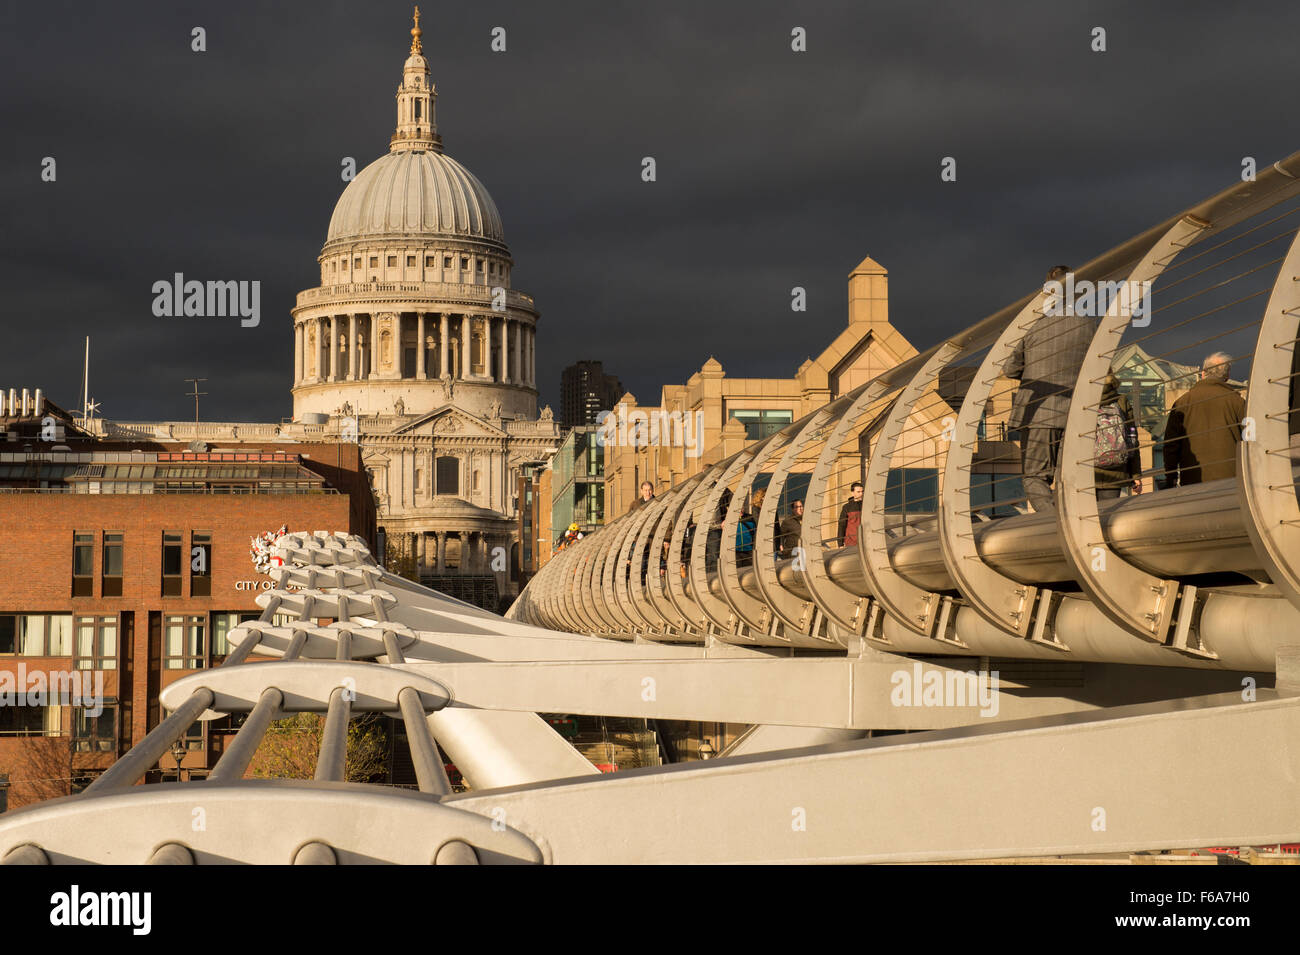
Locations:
{"points": [[432, 556], [489, 347]]}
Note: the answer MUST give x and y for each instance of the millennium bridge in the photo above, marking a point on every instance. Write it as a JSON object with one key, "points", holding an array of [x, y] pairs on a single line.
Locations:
{"points": [[1102, 676]]}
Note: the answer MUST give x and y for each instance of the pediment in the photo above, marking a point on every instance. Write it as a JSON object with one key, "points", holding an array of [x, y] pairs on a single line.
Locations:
{"points": [[450, 421]]}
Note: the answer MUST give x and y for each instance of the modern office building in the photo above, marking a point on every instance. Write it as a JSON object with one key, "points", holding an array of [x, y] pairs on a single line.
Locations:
{"points": [[586, 391], [578, 481]]}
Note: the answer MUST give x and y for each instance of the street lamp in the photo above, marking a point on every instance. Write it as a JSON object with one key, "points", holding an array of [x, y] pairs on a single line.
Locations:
{"points": [[706, 749], [178, 753]]}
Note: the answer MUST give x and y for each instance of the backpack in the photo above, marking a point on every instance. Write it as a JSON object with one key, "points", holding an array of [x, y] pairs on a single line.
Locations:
{"points": [[1110, 450], [745, 535]]}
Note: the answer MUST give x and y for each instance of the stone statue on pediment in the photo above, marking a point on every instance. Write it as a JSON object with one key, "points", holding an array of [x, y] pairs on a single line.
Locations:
{"points": [[547, 414], [399, 406], [448, 384]]}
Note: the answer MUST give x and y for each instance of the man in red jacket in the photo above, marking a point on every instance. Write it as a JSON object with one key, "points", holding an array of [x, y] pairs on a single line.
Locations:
{"points": [[851, 517]]}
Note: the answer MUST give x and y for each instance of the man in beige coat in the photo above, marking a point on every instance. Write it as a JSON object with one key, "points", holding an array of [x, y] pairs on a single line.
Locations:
{"points": [[1204, 428]]}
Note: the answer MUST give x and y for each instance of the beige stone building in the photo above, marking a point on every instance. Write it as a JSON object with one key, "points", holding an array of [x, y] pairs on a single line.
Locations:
{"points": [[720, 415]]}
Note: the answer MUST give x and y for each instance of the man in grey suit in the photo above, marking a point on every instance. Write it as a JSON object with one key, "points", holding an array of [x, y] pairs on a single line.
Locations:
{"points": [[1046, 362]]}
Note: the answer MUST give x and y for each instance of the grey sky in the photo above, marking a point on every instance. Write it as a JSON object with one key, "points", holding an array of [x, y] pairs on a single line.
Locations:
{"points": [[775, 168]]}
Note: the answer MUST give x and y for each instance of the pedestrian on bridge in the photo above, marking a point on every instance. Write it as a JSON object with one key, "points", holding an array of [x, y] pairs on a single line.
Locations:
{"points": [[1046, 362], [1204, 427], [791, 528]]}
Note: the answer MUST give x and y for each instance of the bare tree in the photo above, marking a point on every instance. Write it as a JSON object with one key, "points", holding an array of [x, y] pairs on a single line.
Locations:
{"points": [[291, 748]]}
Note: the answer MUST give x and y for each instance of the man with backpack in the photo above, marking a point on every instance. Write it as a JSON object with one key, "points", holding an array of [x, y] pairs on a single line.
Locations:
{"points": [[1116, 462], [1046, 362], [747, 528]]}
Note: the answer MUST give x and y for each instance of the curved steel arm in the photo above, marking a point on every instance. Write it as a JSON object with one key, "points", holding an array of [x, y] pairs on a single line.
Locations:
{"points": [[661, 590], [1265, 480], [911, 606], [845, 608], [656, 585], [686, 603], [639, 590], [756, 614], [623, 623], [795, 612], [1002, 601], [1141, 603], [589, 597], [628, 567], [721, 613]]}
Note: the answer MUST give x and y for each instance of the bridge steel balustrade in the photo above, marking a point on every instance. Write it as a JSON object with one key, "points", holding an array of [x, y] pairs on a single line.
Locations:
{"points": [[750, 610]]}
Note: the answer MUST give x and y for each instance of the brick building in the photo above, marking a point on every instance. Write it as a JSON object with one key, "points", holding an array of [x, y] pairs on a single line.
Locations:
{"points": [[121, 571]]}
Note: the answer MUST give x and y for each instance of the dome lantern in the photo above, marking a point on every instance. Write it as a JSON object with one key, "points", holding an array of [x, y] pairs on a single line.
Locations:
{"points": [[417, 127]]}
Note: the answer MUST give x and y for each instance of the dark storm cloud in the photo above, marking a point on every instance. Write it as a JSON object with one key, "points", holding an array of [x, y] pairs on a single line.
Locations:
{"points": [[774, 168]]}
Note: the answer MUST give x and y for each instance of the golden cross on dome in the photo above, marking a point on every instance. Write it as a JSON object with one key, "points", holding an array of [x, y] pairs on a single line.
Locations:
{"points": [[416, 33]]}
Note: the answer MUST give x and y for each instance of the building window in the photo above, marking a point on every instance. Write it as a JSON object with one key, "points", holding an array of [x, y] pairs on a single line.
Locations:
{"points": [[222, 624], [96, 643], [448, 475], [912, 491], [410, 261], [446, 261], [392, 261], [419, 478], [172, 578], [989, 491], [183, 642], [374, 261], [430, 261], [200, 563], [27, 720], [111, 579], [95, 732], [476, 353], [192, 737], [464, 261], [36, 635], [356, 263], [759, 424], [480, 266], [83, 564]]}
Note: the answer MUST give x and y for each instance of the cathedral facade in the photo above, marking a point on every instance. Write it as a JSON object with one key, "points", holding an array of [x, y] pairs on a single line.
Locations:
{"points": [[416, 344], [416, 347]]}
